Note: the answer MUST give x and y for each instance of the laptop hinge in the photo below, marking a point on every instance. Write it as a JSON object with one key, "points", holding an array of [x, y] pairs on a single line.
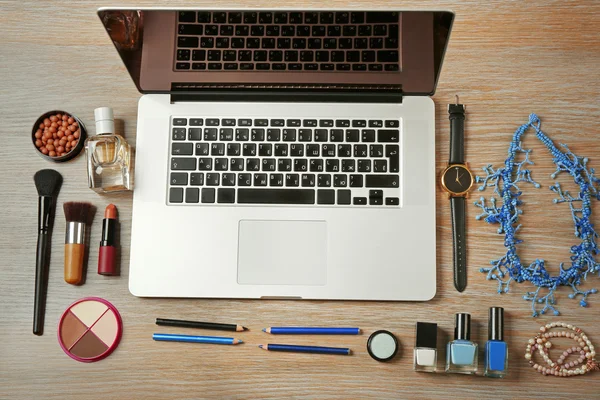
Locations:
{"points": [[335, 93]]}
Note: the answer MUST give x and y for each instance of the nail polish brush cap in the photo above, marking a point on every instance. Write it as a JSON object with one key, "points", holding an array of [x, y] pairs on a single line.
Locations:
{"points": [[426, 335], [496, 324], [462, 330]]}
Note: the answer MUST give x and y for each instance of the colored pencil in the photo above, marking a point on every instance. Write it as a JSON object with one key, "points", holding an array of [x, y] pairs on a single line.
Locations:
{"points": [[165, 337], [305, 349], [201, 325], [298, 330]]}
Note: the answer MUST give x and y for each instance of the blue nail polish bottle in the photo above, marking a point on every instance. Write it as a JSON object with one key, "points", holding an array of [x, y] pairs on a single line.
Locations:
{"points": [[461, 353], [496, 351]]}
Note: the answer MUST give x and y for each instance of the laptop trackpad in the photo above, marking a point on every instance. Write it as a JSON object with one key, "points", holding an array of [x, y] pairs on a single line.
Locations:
{"points": [[282, 253]]}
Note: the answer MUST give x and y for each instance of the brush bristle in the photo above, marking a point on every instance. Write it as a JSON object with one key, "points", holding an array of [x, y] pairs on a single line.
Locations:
{"points": [[47, 182], [77, 211]]}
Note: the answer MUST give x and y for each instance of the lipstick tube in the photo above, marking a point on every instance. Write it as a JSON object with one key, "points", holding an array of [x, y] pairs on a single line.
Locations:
{"points": [[74, 252], [108, 247]]}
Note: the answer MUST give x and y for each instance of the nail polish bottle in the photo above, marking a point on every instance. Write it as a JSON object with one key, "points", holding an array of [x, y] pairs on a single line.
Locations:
{"points": [[425, 353], [461, 353], [496, 351]]}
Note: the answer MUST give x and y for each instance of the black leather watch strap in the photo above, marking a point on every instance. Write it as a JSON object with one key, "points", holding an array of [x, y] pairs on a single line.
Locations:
{"points": [[457, 205], [457, 133]]}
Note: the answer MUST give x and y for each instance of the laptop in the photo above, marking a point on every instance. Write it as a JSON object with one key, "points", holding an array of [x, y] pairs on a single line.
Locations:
{"points": [[283, 154]]}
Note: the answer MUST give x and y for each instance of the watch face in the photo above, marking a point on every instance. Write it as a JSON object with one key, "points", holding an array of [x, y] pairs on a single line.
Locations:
{"points": [[457, 179]]}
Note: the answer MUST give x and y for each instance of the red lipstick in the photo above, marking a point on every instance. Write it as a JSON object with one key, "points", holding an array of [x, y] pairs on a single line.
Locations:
{"points": [[108, 245]]}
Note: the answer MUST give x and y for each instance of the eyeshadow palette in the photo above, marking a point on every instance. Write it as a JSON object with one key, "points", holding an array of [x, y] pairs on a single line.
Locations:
{"points": [[90, 329]]}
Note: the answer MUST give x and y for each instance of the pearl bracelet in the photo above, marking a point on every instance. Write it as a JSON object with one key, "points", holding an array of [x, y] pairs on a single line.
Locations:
{"points": [[583, 347]]}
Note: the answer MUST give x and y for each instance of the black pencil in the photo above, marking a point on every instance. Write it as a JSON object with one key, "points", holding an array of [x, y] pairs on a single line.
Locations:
{"points": [[202, 325]]}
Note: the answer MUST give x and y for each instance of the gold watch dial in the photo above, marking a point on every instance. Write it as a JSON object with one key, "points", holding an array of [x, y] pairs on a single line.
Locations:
{"points": [[457, 179]]}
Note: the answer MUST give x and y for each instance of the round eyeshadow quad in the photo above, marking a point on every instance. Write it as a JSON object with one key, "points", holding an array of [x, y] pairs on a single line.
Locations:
{"points": [[90, 329]]}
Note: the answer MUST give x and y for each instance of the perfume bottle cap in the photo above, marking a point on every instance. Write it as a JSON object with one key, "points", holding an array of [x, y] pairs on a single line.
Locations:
{"points": [[105, 120], [462, 330], [426, 335], [496, 324]]}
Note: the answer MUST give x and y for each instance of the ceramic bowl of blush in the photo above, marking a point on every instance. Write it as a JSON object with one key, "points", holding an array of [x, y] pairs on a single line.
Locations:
{"points": [[90, 329], [51, 123]]}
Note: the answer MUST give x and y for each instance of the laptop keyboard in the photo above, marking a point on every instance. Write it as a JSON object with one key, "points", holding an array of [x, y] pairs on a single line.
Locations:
{"points": [[287, 41], [321, 162]]}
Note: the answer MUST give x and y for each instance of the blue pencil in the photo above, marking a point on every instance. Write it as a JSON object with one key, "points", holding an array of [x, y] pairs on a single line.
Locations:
{"points": [[305, 349], [299, 330], [166, 337]]}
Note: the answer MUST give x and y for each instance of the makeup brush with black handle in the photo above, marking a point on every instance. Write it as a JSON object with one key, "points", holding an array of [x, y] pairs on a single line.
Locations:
{"points": [[47, 182]]}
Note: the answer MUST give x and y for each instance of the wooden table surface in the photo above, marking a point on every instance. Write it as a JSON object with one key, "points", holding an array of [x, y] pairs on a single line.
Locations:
{"points": [[505, 60]]}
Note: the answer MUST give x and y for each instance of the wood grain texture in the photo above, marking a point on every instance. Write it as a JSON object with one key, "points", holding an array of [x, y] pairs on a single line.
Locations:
{"points": [[505, 60]]}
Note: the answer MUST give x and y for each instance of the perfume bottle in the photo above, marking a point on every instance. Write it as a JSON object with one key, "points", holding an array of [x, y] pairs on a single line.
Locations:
{"points": [[496, 351], [461, 353], [108, 156], [425, 353]]}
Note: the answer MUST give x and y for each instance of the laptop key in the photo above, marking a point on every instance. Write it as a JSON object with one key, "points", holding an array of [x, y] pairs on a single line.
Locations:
{"points": [[268, 164], [295, 67], [205, 164], [208, 195], [356, 181], [260, 179], [213, 179], [244, 179], [388, 135], [252, 164], [236, 164], [192, 195], [196, 122], [179, 178], [360, 201], [182, 149], [179, 133], [197, 178], [176, 195], [392, 201], [210, 134], [284, 165], [289, 135], [292, 180], [276, 180], [324, 180], [187, 16], [202, 149], [183, 164], [325, 196], [344, 197], [308, 180], [188, 41], [221, 164], [348, 165], [382, 181], [393, 152], [203, 17], [340, 180], [242, 134], [332, 165], [226, 195], [276, 196]]}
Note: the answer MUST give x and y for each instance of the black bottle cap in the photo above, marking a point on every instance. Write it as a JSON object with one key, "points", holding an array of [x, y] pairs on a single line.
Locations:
{"points": [[426, 335], [462, 330], [496, 324]]}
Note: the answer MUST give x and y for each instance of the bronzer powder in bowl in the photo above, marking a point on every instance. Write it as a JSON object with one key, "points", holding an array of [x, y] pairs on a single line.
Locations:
{"points": [[90, 329]]}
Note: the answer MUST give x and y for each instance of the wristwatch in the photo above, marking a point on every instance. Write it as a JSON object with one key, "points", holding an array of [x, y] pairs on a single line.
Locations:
{"points": [[457, 180]]}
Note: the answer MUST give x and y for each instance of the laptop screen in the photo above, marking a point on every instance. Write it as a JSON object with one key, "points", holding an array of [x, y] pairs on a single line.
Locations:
{"points": [[167, 50]]}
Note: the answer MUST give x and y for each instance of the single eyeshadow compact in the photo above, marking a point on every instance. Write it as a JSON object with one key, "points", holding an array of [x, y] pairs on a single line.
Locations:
{"points": [[90, 329], [382, 345]]}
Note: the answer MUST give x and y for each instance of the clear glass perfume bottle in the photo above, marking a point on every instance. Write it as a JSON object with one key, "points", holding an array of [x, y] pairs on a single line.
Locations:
{"points": [[496, 351], [425, 352], [108, 156], [461, 353]]}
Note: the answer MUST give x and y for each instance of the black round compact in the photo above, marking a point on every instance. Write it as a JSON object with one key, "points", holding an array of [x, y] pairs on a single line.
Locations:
{"points": [[382, 345]]}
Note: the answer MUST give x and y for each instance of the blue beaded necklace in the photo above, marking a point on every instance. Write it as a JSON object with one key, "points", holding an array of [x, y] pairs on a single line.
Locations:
{"points": [[505, 182]]}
